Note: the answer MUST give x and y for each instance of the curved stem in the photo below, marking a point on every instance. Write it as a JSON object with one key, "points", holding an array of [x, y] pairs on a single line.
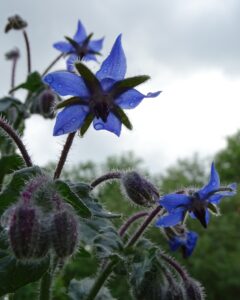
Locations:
{"points": [[100, 280], [45, 287], [28, 50], [14, 136], [105, 177], [132, 219], [13, 75], [144, 225], [52, 64], [64, 155], [175, 265]]}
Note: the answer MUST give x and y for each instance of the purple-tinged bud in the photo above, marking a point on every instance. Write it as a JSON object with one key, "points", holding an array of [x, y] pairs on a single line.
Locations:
{"points": [[64, 233], [139, 190], [44, 104], [194, 290], [15, 22], [13, 54], [28, 238]]}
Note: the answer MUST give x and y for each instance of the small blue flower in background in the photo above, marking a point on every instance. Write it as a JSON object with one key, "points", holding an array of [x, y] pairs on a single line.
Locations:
{"points": [[80, 47], [195, 202], [187, 241], [98, 98]]}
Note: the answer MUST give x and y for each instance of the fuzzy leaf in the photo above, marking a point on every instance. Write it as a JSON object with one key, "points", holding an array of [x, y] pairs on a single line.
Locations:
{"points": [[32, 84], [9, 164]]}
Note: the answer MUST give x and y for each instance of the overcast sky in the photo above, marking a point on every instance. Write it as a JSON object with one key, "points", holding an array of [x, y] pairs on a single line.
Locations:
{"points": [[190, 48]]}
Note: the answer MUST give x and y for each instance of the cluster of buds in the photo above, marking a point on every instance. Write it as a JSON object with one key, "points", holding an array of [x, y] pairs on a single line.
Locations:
{"points": [[139, 190], [34, 231], [16, 23]]}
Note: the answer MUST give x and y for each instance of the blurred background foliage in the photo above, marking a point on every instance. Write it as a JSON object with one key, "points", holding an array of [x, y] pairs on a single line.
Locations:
{"points": [[215, 262]]}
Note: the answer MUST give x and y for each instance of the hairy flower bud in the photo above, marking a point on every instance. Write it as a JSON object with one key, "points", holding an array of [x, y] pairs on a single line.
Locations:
{"points": [[27, 236], [194, 290], [138, 189], [13, 54], [43, 104], [15, 22], [64, 233]]}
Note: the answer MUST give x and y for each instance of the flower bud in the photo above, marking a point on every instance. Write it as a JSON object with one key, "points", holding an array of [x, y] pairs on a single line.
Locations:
{"points": [[194, 290], [138, 189], [44, 103], [64, 233], [13, 54], [15, 22], [28, 239]]}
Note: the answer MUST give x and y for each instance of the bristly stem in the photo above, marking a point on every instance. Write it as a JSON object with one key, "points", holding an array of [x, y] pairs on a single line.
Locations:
{"points": [[131, 220], [12, 133], [100, 280], [144, 225], [14, 63], [64, 154], [28, 51], [52, 64], [175, 265], [105, 177]]}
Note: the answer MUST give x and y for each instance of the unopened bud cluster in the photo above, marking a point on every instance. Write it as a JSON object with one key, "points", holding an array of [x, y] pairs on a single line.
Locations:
{"points": [[138, 189], [15, 22], [33, 232]]}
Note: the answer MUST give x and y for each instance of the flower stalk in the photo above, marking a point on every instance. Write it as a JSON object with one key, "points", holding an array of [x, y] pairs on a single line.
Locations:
{"points": [[106, 177], [28, 51]]}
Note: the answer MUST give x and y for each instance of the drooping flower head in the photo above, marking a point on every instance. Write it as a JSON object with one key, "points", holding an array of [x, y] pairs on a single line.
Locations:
{"points": [[79, 47], [100, 98], [197, 203], [187, 242]]}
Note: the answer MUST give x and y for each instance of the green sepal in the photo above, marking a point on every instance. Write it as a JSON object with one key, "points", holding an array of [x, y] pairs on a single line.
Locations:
{"points": [[72, 198], [32, 84], [72, 42], [70, 101], [213, 209], [87, 122], [120, 114], [89, 78], [122, 86]]}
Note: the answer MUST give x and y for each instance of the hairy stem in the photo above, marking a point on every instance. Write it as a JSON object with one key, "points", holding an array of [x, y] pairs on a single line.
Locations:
{"points": [[143, 227], [64, 155], [28, 51], [45, 287], [105, 177], [52, 64], [14, 136], [101, 279], [175, 265], [14, 64], [131, 220]]}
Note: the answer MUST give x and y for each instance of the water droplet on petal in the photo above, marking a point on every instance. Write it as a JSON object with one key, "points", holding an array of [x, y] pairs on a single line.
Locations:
{"points": [[98, 126], [60, 132], [49, 78], [59, 86], [73, 120], [132, 104]]}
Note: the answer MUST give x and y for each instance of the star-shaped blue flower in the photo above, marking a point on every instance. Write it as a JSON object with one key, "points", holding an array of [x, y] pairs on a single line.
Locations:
{"points": [[100, 98], [195, 202], [80, 47], [187, 241]]}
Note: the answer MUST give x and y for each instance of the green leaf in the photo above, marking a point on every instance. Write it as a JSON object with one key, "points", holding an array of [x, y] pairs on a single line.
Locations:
{"points": [[120, 114], [73, 100], [89, 78], [87, 122], [12, 191], [14, 274], [122, 86], [72, 198], [9, 164], [80, 290], [33, 83]]}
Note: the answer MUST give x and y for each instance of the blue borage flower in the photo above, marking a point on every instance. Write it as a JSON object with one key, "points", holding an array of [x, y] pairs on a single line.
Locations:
{"points": [[187, 242], [195, 202], [99, 98], [79, 47]]}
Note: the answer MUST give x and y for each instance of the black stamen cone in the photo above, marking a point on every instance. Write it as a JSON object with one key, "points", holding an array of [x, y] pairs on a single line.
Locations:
{"points": [[200, 214]]}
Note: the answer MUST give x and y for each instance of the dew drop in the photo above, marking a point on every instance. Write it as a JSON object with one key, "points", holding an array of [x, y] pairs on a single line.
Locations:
{"points": [[49, 78], [59, 86], [73, 120], [60, 132], [99, 126], [132, 104]]}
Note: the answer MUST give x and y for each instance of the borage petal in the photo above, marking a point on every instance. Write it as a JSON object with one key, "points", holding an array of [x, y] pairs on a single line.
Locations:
{"points": [[96, 45], [173, 201], [213, 184], [113, 124], [192, 238], [65, 83], [89, 57], [80, 34], [114, 66], [70, 62], [63, 47], [70, 119], [132, 98], [171, 219]]}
